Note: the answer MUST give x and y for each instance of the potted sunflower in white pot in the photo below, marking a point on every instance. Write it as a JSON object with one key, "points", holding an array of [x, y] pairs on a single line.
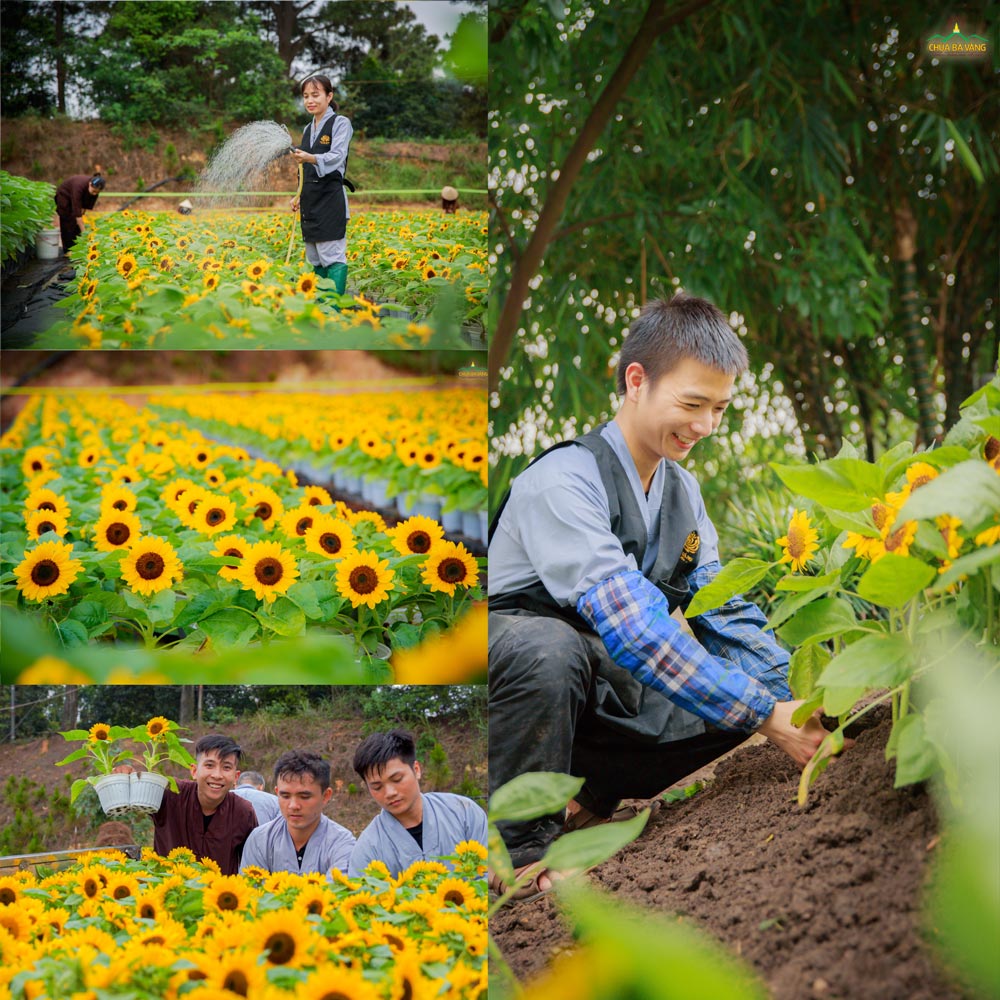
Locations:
{"points": [[160, 745], [102, 747]]}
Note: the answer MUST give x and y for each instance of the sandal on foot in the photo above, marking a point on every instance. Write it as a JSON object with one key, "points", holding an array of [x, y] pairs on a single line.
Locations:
{"points": [[527, 892], [584, 819]]}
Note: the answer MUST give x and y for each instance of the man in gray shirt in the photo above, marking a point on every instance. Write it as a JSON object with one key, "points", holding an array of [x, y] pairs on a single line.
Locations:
{"points": [[301, 839], [251, 787]]}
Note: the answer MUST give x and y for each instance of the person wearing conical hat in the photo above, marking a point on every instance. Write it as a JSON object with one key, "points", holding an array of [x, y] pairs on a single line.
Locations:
{"points": [[449, 199]]}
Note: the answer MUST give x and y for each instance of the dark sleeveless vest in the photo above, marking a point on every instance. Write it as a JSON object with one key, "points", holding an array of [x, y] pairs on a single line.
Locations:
{"points": [[679, 541], [324, 212]]}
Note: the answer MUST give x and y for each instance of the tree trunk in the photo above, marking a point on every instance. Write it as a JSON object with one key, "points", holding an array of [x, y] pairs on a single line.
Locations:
{"points": [[70, 707], [913, 340], [654, 23], [186, 714], [60, 39]]}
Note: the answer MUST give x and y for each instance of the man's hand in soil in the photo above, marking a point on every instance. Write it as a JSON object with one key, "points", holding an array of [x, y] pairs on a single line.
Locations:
{"points": [[799, 743]]}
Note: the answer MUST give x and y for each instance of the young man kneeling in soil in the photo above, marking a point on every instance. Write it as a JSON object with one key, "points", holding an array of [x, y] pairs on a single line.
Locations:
{"points": [[413, 825], [598, 541], [301, 839]]}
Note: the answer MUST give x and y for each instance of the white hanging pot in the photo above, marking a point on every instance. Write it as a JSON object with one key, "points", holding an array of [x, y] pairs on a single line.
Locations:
{"points": [[113, 791], [146, 791]]}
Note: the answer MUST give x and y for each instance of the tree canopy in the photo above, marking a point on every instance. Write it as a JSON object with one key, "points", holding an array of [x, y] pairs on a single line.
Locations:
{"points": [[814, 170], [193, 63]]}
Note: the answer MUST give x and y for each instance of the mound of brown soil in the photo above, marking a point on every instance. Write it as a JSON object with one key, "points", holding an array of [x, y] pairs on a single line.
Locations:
{"points": [[823, 901]]}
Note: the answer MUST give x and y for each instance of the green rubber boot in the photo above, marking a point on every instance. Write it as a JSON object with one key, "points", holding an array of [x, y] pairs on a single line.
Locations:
{"points": [[337, 273]]}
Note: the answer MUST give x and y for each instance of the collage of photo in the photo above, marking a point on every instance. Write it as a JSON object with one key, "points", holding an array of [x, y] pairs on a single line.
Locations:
{"points": [[499, 500]]}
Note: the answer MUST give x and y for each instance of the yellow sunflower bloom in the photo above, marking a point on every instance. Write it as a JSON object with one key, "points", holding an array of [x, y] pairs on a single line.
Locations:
{"points": [[47, 571], [416, 535], [801, 543], [339, 982], [296, 522], [268, 570], [46, 499], [118, 498], [151, 566], [37, 459], [234, 546], [126, 264], [214, 513], [316, 496], [99, 733], [52, 670], [42, 521], [919, 474], [265, 504], [282, 939], [450, 565], [330, 536], [306, 285], [157, 727], [116, 530], [229, 892], [362, 578], [257, 270]]}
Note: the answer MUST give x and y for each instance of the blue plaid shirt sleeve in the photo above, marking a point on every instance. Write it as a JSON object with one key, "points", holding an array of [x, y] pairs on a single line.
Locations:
{"points": [[632, 617], [736, 632]]}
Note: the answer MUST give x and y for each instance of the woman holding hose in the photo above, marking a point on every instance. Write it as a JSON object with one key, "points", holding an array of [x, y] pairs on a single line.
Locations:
{"points": [[322, 159]]}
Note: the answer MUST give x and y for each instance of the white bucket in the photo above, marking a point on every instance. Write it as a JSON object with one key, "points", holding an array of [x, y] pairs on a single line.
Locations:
{"points": [[113, 791], [146, 791], [48, 244]]}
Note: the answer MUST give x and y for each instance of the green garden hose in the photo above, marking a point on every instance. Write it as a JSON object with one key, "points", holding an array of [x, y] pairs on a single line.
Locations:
{"points": [[291, 238]]}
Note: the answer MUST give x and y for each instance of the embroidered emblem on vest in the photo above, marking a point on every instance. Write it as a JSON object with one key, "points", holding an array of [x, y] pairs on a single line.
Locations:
{"points": [[324, 140], [691, 545]]}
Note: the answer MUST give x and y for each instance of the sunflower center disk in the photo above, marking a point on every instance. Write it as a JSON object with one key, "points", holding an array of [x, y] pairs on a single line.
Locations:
{"points": [[215, 516], [452, 571], [363, 580], [45, 573], [118, 533], [263, 511], [418, 541], [329, 543], [150, 566], [281, 948], [268, 570], [303, 525]]}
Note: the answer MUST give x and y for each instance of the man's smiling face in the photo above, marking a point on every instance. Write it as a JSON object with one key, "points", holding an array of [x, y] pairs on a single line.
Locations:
{"points": [[215, 777]]}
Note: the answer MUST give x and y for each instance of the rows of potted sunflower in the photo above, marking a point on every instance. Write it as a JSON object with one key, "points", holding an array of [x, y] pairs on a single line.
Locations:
{"points": [[884, 559], [422, 452], [221, 282], [155, 743], [120, 524], [174, 926]]}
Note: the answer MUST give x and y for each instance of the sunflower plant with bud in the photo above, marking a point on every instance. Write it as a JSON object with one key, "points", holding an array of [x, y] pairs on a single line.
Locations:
{"points": [[102, 749], [882, 555]]}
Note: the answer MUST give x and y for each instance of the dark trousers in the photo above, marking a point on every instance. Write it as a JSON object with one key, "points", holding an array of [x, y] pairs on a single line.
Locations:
{"points": [[551, 710], [69, 231]]}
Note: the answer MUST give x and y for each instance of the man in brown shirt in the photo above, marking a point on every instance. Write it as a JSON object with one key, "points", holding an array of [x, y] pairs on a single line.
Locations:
{"points": [[202, 815], [73, 197]]}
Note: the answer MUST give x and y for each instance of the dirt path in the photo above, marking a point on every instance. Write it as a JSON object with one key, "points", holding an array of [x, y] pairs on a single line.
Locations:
{"points": [[823, 901]]}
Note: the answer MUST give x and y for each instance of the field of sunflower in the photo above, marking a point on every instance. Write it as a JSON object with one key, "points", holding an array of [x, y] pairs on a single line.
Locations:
{"points": [[220, 281], [121, 523], [173, 926]]}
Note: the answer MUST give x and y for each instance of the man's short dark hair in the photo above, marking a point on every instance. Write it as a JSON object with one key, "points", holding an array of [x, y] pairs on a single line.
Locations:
{"points": [[225, 745], [378, 749], [300, 762], [252, 778], [667, 333], [98, 182]]}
